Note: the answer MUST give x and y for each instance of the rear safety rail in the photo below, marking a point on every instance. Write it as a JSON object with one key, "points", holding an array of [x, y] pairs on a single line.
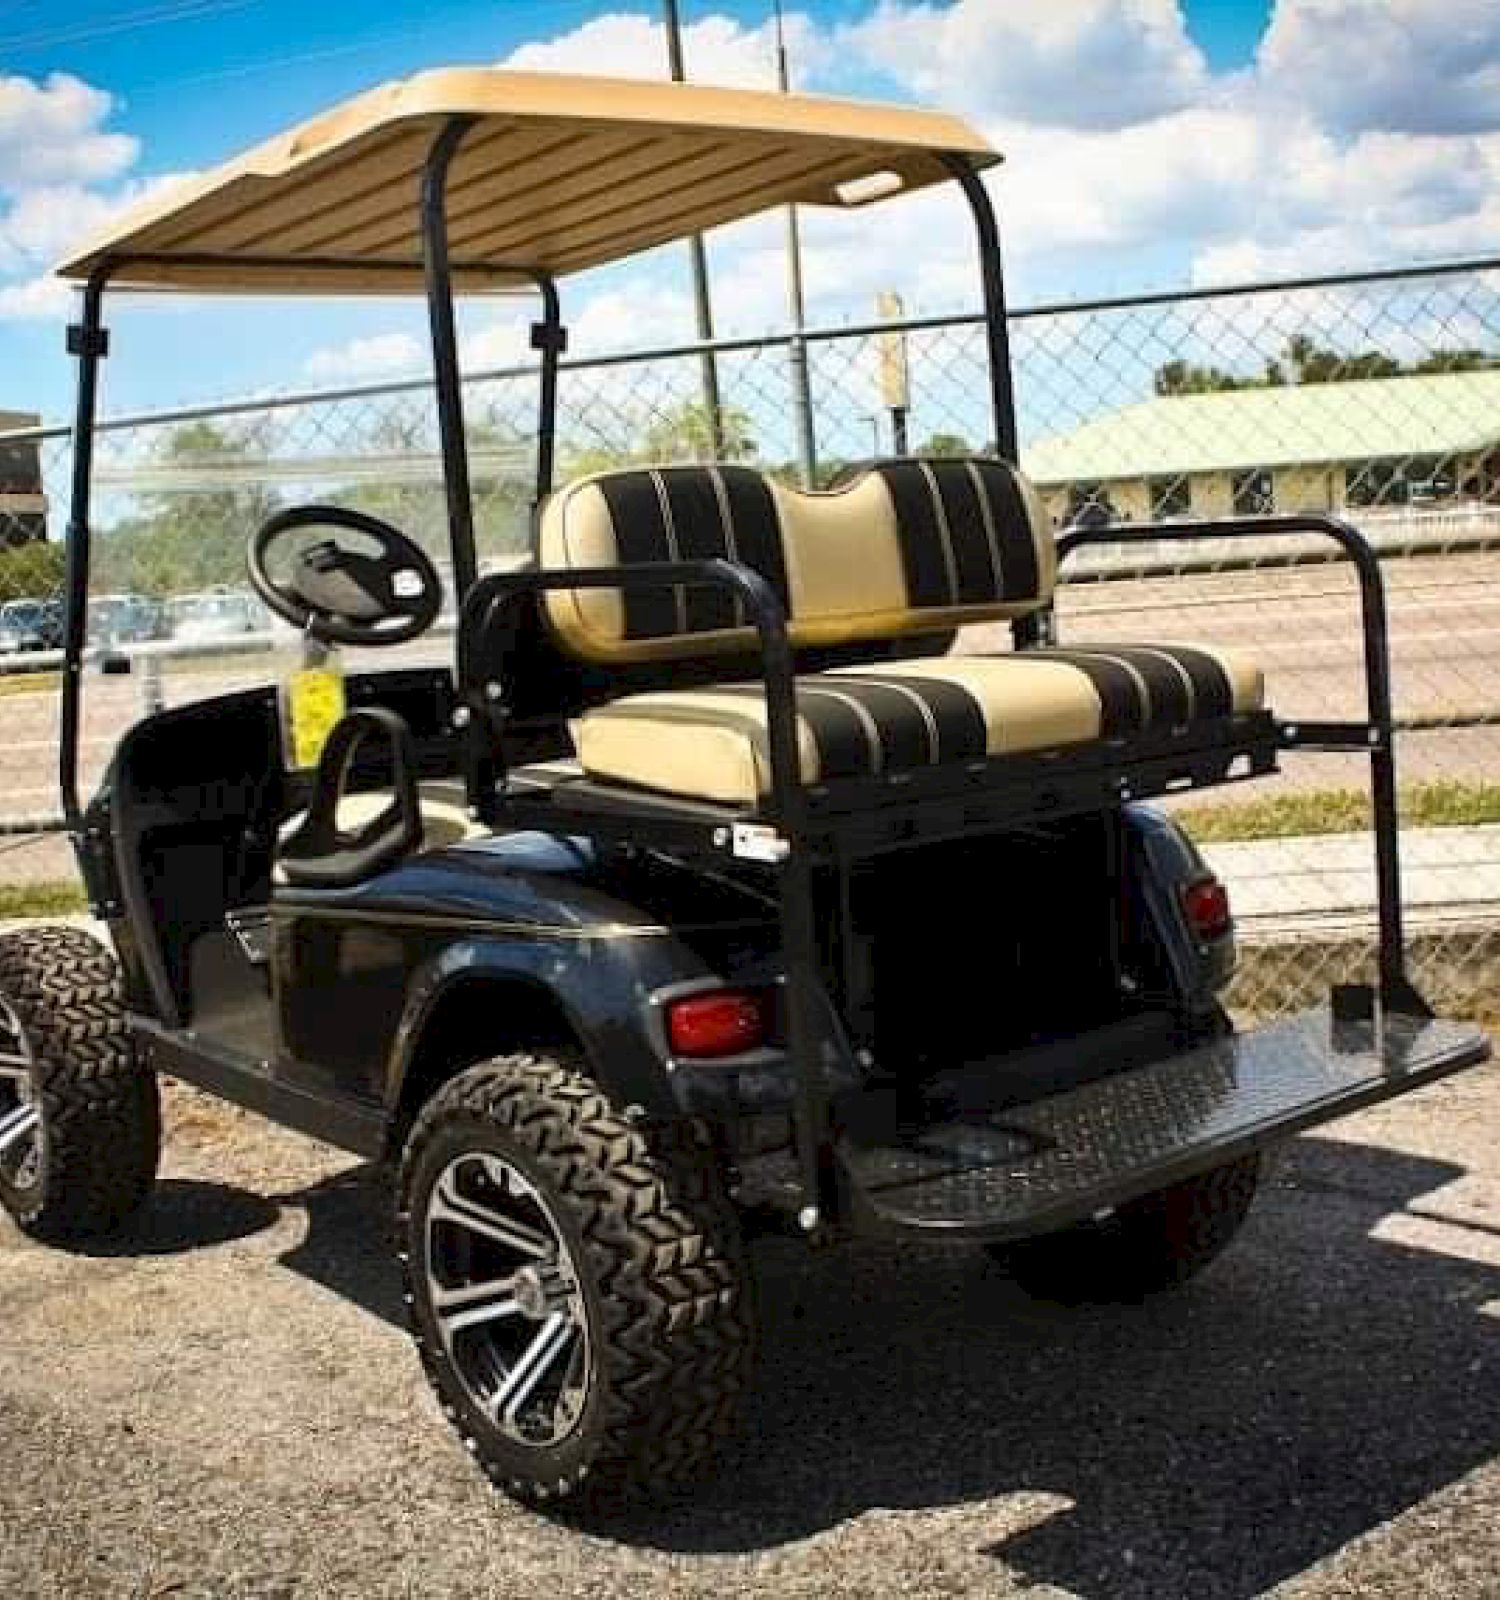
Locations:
{"points": [[1379, 729]]}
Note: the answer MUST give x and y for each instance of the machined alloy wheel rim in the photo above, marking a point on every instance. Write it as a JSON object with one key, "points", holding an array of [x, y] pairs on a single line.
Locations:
{"points": [[21, 1130], [505, 1297]]}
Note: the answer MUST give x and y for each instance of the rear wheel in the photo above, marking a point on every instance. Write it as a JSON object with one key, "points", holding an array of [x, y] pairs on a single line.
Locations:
{"points": [[1147, 1245], [80, 1127], [577, 1290]]}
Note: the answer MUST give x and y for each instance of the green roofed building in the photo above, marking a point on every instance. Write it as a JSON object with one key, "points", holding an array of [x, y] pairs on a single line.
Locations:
{"points": [[1297, 447]]}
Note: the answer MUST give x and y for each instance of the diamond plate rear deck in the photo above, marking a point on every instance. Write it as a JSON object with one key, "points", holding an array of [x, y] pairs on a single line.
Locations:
{"points": [[1027, 1169]]}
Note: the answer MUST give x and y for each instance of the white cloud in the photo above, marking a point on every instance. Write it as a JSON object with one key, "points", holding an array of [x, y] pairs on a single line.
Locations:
{"points": [[1402, 66], [40, 223], [1069, 63], [368, 359], [42, 299], [51, 132], [63, 176], [627, 314], [1320, 203], [716, 49]]}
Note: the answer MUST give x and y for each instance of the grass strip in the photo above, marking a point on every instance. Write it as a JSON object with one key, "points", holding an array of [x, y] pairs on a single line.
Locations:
{"points": [[56, 899], [1434, 803]]}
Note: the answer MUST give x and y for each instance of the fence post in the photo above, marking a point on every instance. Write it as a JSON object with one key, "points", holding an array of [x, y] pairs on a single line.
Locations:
{"points": [[152, 698], [802, 411]]}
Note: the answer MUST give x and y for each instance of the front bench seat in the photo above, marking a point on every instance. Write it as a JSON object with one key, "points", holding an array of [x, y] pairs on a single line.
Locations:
{"points": [[907, 548]]}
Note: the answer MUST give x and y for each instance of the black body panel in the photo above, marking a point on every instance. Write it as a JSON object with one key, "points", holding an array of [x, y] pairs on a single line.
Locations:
{"points": [[597, 931]]}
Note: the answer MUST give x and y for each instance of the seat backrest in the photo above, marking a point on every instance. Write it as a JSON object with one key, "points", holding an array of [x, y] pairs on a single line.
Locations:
{"points": [[906, 547]]}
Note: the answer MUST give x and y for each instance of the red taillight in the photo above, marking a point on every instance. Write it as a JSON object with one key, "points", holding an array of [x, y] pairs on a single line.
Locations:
{"points": [[726, 1022], [1207, 906]]}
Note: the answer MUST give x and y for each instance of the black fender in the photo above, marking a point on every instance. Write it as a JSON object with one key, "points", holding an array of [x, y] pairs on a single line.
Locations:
{"points": [[600, 988], [1163, 861], [584, 937]]}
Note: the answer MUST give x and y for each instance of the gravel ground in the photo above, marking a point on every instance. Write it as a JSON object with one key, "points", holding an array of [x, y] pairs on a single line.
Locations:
{"points": [[222, 1404]]}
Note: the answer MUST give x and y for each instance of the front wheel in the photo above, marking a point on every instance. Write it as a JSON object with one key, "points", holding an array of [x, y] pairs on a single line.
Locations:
{"points": [[577, 1289], [1147, 1245], [80, 1123]]}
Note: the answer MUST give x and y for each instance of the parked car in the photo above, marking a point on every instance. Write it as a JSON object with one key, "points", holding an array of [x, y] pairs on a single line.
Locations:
{"points": [[124, 619], [30, 625], [216, 614]]}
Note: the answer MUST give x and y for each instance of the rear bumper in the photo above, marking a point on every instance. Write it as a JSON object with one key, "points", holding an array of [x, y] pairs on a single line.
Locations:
{"points": [[1008, 1171]]}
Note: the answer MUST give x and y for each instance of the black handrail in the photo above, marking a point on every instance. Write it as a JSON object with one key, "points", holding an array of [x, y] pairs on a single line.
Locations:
{"points": [[1381, 722], [486, 606], [764, 612]]}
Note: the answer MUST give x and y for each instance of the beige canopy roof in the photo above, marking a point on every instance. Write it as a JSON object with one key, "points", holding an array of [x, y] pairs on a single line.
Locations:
{"points": [[557, 174]]}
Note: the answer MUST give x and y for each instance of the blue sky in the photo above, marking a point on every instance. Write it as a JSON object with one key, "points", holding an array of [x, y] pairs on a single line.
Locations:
{"points": [[1151, 142]]}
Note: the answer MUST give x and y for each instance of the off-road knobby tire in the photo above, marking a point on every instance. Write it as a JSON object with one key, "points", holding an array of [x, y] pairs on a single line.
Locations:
{"points": [[661, 1261], [1148, 1245], [101, 1116]]}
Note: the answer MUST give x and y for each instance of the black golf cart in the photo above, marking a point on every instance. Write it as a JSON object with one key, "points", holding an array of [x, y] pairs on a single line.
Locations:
{"points": [[709, 887]]}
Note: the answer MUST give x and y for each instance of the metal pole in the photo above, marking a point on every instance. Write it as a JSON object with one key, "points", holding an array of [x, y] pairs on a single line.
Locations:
{"points": [[447, 379], [551, 338], [89, 343], [802, 407], [703, 314], [900, 443]]}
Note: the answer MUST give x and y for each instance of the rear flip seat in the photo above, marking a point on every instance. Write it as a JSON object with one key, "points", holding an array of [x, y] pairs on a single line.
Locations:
{"points": [[909, 547]]}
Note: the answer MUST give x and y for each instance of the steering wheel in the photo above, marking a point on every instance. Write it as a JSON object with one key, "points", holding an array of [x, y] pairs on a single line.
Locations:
{"points": [[341, 590]]}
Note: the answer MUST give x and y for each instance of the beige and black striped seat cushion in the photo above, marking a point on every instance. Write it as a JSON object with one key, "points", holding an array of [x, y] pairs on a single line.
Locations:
{"points": [[858, 722], [907, 547]]}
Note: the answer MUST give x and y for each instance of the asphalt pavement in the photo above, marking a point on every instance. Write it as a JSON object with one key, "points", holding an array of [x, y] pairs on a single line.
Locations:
{"points": [[222, 1404]]}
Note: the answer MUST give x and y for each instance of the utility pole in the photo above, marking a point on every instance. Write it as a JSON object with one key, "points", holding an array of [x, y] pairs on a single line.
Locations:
{"points": [[702, 306], [802, 411], [895, 376]]}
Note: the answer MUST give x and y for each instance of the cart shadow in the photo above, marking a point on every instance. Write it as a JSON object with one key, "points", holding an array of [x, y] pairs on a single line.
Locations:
{"points": [[184, 1214], [348, 1247], [1215, 1441]]}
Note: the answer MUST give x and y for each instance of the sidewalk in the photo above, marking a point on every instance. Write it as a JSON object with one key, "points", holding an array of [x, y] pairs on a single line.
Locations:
{"points": [[1327, 883]]}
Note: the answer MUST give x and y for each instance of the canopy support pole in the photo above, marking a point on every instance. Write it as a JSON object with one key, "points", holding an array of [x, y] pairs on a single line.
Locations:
{"points": [[997, 329], [447, 379], [551, 338], [88, 342]]}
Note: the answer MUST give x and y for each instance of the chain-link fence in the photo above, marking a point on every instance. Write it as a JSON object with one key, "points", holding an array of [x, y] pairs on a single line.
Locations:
{"points": [[1376, 397]]}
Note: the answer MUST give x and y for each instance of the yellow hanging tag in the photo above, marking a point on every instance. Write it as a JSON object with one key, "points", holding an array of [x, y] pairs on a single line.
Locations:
{"points": [[312, 706]]}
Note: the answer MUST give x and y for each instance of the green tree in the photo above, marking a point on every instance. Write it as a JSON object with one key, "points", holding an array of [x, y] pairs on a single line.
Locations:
{"points": [[945, 444], [1183, 377], [1304, 360], [33, 570], [192, 527], [685, 433], [1465, 360]]}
